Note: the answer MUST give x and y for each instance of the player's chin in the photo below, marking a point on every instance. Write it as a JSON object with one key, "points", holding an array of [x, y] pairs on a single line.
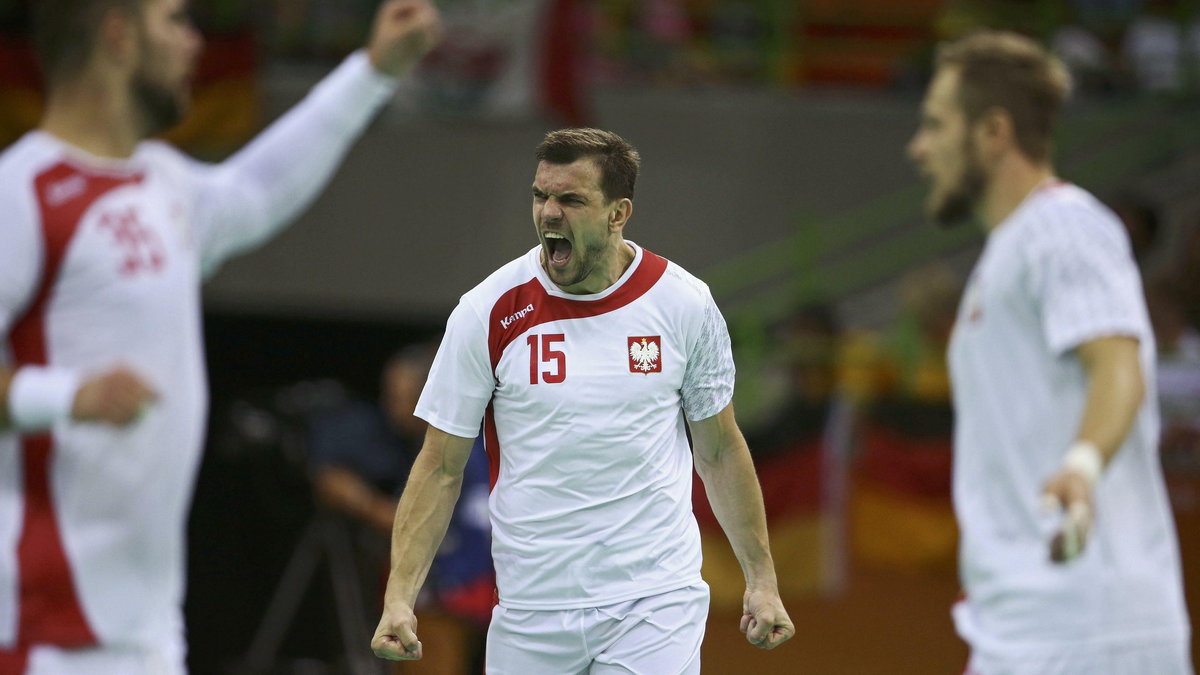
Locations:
{"points": [[564, 276]]}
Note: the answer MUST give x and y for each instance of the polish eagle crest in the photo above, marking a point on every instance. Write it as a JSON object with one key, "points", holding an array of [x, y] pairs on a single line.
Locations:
{"points": [[643, 355]]}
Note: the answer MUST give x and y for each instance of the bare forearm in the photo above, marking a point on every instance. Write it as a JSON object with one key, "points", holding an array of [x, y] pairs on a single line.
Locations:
{"points": [[736, 498], [421, 521], [1114, 395], [1115, 390], [723, 462]]}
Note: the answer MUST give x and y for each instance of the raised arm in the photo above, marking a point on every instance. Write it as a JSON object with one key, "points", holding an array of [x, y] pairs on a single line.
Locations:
{"points": [[421, 521], [723, 462], [1115, 392], [246, 199]]}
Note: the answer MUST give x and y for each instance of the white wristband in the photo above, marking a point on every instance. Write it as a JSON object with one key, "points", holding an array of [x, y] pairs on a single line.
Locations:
{"points": [[39, 396], [1084, 458]]}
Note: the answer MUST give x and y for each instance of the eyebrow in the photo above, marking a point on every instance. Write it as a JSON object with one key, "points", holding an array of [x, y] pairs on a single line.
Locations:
{"points": [[538, 192]]}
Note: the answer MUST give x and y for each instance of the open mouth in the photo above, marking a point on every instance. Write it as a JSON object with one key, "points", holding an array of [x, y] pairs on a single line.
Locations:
{"points": [[558, 249]]}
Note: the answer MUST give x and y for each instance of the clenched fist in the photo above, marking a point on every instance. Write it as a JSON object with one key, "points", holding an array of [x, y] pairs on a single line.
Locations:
{"points": [[403, 32], [396, 637], [117, 397], [764, 620]]}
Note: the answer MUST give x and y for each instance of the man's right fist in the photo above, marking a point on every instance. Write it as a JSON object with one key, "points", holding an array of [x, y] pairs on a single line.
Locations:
{"points": [[404, 31], [117, 397]]}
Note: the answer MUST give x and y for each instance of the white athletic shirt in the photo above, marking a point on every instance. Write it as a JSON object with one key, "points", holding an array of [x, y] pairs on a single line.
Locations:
{"points": [[584, 394], [100, 264], [1056, 273]]}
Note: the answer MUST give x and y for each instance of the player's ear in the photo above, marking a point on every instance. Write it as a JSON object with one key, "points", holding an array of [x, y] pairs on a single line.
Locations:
{"points": [[622, 209], [116, 37], [995, 131]]}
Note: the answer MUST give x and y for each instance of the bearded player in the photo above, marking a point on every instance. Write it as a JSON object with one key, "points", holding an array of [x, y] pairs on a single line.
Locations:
{"points": [[1051, 364], [104, 240], [583, 358]]}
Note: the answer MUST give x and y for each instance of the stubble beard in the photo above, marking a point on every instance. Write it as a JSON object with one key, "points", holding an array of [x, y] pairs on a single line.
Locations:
{"points": [[958, 205], [584, 257], [160, 108], [585, 263]]}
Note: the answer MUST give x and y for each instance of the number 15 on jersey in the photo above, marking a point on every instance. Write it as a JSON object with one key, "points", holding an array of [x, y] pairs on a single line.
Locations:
{"points": [[542, 353]]}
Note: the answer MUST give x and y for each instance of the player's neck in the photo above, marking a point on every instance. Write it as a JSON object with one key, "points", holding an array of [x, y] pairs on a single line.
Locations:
{"points": [[622, 257], [1012, 182], [93, 118]]}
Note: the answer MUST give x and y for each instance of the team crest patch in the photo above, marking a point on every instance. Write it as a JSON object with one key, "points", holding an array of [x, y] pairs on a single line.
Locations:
{"points": [[645, 354]]}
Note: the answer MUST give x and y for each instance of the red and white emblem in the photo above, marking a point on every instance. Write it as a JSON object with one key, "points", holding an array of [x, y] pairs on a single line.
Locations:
{"points": [[141, 248], [645, 354]]}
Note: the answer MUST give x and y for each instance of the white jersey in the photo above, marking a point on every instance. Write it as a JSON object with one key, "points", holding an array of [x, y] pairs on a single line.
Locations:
{"points": [[584, 398], [1056, 273], [100, 264]]}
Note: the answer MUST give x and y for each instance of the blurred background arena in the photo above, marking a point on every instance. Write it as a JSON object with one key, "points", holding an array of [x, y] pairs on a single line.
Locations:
{"points": [[772, 134]]}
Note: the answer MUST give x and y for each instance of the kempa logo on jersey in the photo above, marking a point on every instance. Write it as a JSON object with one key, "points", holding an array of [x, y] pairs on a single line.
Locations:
{"points": [[66, 189], [645, 354], [506, 322]]}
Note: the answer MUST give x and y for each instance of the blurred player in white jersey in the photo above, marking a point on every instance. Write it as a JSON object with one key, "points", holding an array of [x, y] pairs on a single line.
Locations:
{"points": [[1069, 558], [583, 357], [106, 238]]}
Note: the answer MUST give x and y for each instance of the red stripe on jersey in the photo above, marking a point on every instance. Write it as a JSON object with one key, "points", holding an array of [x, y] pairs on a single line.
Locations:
{"points": [[50, 612], [14, 661], [528, 305], [491, 445]]}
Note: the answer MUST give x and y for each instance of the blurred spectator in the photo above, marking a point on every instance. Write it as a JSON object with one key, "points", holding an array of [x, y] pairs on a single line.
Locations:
{"points": [[1153, 49], [908, 361], [360, 455], [1180, 276], [929, 302], [803, 374], [805, 360], [1173, 300], [1090, 61], [1178, 373]]}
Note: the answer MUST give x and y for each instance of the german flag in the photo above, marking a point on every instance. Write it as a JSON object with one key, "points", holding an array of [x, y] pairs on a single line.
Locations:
{"points": [[900, 508]]}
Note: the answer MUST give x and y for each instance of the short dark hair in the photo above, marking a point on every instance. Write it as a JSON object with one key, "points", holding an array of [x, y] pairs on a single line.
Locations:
{"points": [[999, 69], [617, 159], [64, 32]]}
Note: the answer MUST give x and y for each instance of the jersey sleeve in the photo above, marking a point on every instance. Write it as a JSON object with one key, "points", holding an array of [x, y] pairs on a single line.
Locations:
{"points": [[708, 379], [1086, 281], [21, 253], [460, 382], [243, 201]]}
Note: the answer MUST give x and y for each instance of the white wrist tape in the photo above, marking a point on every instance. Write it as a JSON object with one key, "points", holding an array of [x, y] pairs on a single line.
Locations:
{"points": [[38, 397], [1084, 458]]}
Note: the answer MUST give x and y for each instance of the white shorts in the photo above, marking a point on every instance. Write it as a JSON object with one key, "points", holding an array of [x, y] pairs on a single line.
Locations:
{"points": [[1165, 658], [48, 660], [658, 635]]}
